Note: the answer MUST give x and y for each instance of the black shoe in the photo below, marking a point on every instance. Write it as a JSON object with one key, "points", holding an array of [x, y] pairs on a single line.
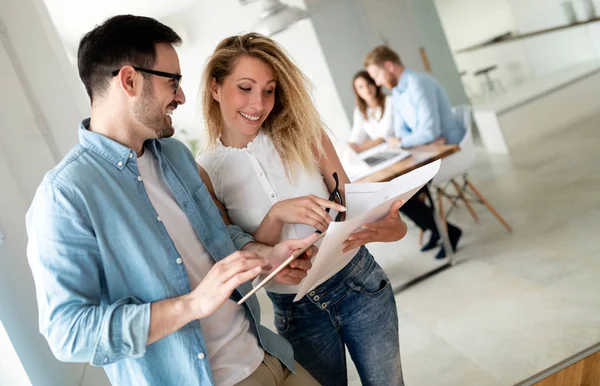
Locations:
{"points": [[432, 243], [454, 233]]}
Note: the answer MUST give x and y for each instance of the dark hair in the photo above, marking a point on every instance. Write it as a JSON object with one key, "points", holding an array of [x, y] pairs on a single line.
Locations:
{"points": [[120, 40], [379, 95]]}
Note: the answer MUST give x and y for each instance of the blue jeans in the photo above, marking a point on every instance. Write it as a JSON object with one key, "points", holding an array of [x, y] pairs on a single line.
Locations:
{"points": [[355, 309]]}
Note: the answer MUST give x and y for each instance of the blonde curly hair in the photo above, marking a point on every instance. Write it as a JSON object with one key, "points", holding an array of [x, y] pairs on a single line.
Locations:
{"points": [[294, 125]]}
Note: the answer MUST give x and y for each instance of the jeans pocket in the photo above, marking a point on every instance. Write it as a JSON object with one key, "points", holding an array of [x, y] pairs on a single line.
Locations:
{"points": [[372, 283], [282, 322]]}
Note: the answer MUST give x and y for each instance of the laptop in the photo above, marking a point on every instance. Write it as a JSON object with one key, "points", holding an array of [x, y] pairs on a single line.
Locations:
{"points": [[359, 165]]}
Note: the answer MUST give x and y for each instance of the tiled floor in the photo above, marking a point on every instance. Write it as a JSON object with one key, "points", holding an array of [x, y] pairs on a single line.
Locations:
{"points": [[516, 303]]}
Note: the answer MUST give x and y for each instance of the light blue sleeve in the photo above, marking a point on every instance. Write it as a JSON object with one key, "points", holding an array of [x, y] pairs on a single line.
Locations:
{"points": [[239, 237], [65, 261], [400, 129], [428, 126]]}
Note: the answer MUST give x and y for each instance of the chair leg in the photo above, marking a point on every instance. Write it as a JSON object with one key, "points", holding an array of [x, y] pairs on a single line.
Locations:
{"points": [[422, 197], [488, 205], [442, 192], [464, 199], [441, 208]]}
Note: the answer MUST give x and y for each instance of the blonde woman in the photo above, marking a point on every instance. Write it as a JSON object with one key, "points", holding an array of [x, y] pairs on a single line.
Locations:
{"points": [[372, 120], [271, 168]]}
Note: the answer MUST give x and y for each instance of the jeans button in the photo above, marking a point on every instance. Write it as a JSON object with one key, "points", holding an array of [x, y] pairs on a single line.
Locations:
{"points": [[324, 305], [312, 293], [316, 298]]}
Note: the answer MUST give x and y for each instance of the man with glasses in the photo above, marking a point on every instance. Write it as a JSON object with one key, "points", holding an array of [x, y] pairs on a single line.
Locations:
{"points": [[134, 268]]}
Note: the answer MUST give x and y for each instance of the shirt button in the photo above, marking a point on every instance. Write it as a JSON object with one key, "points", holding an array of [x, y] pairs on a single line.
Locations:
{"points": [[130, 155], [158, 218], [105, 359], [140, 178], [249, 151], [179, 260], [201, 355], [120, 163], [273, 195], [260, 174]]}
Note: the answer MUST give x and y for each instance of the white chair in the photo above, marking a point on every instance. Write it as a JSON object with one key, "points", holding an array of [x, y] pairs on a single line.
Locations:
{"points": [[456, 166]]}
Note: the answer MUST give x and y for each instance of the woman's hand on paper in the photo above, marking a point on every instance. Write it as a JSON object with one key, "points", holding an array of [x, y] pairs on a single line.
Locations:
{"points": [[390, 228], [305, 210]]}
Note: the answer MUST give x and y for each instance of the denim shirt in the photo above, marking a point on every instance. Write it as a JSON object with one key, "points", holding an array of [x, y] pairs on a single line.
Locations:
{"points": [[100, 256], [422, 111]]}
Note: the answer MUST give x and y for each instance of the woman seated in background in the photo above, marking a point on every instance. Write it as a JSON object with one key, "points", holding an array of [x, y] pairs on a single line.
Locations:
{"points": [[372, 126], [372, 116]]}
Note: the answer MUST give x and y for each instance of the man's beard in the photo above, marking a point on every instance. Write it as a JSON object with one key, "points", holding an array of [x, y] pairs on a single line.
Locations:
{"points": [[391, 81], [150, 114]]}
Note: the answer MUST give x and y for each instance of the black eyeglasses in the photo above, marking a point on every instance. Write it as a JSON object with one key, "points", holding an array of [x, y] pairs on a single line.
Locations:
{"points": [[176, 77], [335, 194]]}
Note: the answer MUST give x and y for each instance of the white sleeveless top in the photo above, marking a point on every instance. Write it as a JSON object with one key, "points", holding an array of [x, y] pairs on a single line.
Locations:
{"points": [[249, 181]]}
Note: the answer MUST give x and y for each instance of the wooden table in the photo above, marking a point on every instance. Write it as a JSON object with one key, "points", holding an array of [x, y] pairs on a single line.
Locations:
{"points": [[420, 156]]}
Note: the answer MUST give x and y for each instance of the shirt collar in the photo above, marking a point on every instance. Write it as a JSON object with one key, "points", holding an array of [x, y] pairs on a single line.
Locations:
{"points": [[116, 154], [403, 82]]}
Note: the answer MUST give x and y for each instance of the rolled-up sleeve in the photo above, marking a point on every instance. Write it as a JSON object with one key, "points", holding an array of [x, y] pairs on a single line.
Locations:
{"points": [[63, 254], [238, 236]]}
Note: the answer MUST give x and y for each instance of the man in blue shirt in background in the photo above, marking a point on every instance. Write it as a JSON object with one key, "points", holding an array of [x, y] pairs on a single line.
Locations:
{"points": [[422, 115], [421, 108]]}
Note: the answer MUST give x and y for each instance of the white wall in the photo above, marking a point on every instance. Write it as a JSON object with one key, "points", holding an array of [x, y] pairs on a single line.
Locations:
{"points": [[11, 369], [38, 120], [344, 47], [468, 22], [533, 15], [426, 19], [394, 23], [535, 57]]}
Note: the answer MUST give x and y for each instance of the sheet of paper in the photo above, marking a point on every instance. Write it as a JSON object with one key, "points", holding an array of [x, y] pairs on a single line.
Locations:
{"points": [[358, 196], [371, 209]]}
